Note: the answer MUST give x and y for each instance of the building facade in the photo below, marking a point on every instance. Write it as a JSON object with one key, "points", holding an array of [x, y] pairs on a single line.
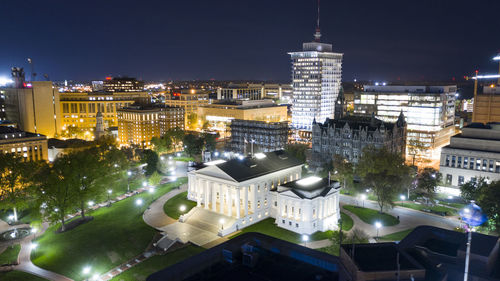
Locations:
{"points": [[219, 115], [138, 124], [316, 82], [263, 136], [349, 135], [251, 189], [236, 92], [33, 147], [429, 113], [472, 154], [487, 105], [189, 100], [124, 84]]}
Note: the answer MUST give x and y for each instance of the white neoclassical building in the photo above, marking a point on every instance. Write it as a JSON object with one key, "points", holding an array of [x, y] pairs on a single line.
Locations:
{"points": [[243, 191]]}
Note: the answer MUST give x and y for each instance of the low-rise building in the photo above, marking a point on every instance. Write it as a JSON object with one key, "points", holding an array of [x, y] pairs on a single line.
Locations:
{"points": [[122, 84], [349, 135], [260, 135], [138, 124], [487, 105], [189, 100], [31, 146], [472, 154], [250, 189], [220, 114]]}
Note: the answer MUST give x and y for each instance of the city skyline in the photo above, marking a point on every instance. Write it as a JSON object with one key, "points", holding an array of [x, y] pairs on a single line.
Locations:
{"points": [[226, 41]]}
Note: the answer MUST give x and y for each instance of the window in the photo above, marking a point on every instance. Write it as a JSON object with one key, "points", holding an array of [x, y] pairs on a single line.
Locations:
{"points": [[290, 223], [471, 165], [296, 225], [473, 179], [459, 163], [65, 108], [453, 161], [466, 159], [478, 164], [275, 203], [491, 166], [448, 179], [460, 180], [485, 163], [497, 167], [83, 108]]}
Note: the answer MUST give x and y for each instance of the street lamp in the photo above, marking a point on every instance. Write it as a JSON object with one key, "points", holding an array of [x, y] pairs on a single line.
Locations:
{"points": [[221, 221], [91, 203], [472, 216], [402, 199], [109, 193], [363, 198], [129, 173], [144, 183], [86, 270], [378, 225], [161, 158], [305, 238], [151, 190], [182, 208], [33, 246], [138, 202]]}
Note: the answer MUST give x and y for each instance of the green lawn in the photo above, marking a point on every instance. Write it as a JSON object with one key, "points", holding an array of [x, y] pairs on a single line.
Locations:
{"points": [[397, 236], [19, 275], [433, 209], [116, 234], [184, 159], [171, 207], [268, 227], [371, 216], [156, 263], [10, 254]]}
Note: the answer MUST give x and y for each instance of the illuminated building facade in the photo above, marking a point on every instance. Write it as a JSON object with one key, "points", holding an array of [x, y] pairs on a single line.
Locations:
{"points": [[264, 136], [472, 154], [33, 147], [236, 92], [349, 135], [189, 100], [316, 81], [247, 190], [219, 115], [80, 109], [124, 84], [138, 124], [429, 113], [487, 105]]}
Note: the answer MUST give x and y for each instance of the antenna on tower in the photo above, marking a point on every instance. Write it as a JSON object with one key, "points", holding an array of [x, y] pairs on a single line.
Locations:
{"points": [[317, 35]]}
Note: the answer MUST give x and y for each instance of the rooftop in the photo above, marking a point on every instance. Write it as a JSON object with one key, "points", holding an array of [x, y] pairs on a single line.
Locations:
{"points": [[252, 167], [311, 187]]}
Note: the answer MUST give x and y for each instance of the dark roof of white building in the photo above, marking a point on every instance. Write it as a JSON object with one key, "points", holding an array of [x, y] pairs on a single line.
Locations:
{"points": [[252, 167]]}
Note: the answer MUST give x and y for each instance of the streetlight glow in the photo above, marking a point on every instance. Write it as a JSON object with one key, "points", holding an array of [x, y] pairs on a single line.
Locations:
{"points": [[378, 225], [305, 238], [86, 270], [33, 246], [91, 203], [144, 184], [182, 208], [402, 197], [110, 191], [138, 202], [129, 173], [151, 190]]}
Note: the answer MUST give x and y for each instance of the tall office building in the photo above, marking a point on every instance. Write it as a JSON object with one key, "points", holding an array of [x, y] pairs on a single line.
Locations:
{"points": [[316, 77]]}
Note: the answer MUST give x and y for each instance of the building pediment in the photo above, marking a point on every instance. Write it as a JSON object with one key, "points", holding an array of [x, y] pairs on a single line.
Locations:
{"points": [[289, 193], [216, 172]]}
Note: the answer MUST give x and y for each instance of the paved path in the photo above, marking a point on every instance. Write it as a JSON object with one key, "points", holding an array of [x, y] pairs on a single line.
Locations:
{"points": [[154, 216], [26, 265]]}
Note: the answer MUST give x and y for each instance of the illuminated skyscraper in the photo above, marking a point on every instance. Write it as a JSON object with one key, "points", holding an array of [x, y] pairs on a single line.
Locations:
{"points": [[316, 77]]}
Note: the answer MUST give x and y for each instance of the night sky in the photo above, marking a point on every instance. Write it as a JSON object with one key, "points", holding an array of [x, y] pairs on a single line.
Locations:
{"points": [[186, 39]]}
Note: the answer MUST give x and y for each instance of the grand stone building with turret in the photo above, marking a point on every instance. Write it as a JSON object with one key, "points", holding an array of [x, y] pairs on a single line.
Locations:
{"points": [[349, 135]]}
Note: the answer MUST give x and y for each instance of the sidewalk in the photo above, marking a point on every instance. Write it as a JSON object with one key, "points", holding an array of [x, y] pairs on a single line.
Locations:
{"points": [[154, 216]]}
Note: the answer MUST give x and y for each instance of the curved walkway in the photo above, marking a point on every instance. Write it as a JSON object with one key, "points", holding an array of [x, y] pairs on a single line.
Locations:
{"points": [[155, 216]]}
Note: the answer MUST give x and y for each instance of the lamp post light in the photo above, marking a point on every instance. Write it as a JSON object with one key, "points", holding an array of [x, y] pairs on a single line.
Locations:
{"points": [[378, 225], [403, 198], [221, 221], [305, 238], [129, 173], [138, 202], [472, 216], [86, 270], [182, 208], [109, 193], [363, 198], [144, 183]]}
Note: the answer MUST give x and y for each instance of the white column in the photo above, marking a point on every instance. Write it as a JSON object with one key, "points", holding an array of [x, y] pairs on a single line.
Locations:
{"points": [[214, 196], [254, 198], [205, 186], [221, 199], [319, 214], [230, 202], [245, 201], [198, 194], [237, 203]]}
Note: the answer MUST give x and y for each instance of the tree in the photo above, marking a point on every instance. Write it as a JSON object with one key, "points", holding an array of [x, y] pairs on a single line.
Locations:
{"points": [[55, 192], [15, 180], [155, 179], [489, 201], [427, 181], [384, 172], [343, 170], [192, 119], [162, 144], [415, 147], [193, 145], [210, 141], [297, 150], [151, 160], [472, 189]]}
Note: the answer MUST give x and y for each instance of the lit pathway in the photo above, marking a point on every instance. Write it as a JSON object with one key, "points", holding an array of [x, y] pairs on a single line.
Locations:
{"points": [[154, 216], [26, 265]]}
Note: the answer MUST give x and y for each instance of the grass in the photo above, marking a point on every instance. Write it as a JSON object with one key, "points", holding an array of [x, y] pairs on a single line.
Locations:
{"points": [[268, 227], [19, 275], [434, 209], [171, 207], [9, 256], [156, 263], [396, 236], [184, 159], [116, 234], [371, 216]]}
